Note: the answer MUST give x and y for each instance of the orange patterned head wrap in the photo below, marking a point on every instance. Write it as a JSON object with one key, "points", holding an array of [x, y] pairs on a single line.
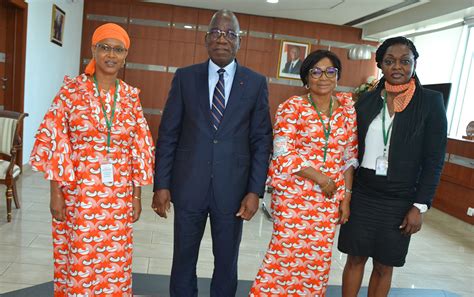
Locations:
{"points": [[405, 91], [109, 30]]}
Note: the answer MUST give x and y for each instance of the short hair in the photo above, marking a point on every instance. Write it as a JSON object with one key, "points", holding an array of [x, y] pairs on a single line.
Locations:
{"points": [[316, 56], [380, 53], [297, 48], [225, 13]]}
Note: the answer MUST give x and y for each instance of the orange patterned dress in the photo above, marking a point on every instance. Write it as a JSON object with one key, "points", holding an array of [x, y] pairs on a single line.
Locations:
{"points": [[93, 246], [298, 258]]}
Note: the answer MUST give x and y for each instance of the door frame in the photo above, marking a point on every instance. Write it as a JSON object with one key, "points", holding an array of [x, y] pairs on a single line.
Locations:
{"points": [[15, 57], [15, 54]]}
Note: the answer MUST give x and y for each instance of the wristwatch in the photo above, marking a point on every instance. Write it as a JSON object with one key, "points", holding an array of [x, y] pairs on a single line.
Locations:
{"points": [[422, 207]]}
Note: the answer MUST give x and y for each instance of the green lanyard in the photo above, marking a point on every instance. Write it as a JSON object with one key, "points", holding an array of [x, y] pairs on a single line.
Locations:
{"points": [[108, 121], [385, 133], [327, 131]]}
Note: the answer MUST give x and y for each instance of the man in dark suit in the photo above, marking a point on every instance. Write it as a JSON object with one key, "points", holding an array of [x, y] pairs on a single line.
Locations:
{"points": [[293, 66], [212, 156]]}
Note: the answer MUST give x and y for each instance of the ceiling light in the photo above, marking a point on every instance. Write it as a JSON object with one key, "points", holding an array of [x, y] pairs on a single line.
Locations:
{"points": [[272, 1], [360, 52], [188, 26]]}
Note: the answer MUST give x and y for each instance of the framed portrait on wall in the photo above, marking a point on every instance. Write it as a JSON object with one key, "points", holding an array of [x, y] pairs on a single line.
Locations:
{"points": [[291, 57], [57, 25]]}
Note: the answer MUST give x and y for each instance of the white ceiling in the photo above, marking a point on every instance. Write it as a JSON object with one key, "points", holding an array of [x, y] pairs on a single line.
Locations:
{"points": [[336, 12]]}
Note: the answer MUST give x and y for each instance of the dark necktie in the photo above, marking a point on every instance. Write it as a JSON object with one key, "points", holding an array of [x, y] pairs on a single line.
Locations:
{"points": [[218, 101]]}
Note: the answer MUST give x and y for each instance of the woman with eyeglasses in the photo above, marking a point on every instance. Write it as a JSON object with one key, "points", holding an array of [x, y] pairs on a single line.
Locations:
{"points": [[402, 139], [314, 155], [95, 147]]}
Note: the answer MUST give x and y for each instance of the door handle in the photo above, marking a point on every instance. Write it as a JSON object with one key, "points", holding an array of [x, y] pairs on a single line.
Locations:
{"points": [[4, 84]]}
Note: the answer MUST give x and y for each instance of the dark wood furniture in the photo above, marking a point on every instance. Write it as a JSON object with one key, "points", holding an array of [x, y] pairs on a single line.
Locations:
{"points": [[10, 148], [455, 193]]}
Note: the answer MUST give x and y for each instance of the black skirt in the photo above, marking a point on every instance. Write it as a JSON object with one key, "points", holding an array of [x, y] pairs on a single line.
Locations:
{"points": [[378, 207]]}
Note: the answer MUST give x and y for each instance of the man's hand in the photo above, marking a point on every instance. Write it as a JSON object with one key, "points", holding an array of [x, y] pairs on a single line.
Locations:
{"points": [[57, 206], [248, 206], [136, 208], [161, 202], [412, 222]]}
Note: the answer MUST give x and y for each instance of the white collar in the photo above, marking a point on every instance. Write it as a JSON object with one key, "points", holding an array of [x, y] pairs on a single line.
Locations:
{"points": [[230, 68]]}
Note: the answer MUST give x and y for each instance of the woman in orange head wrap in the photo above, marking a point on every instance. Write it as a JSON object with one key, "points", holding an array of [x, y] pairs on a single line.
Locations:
{"points": [[95, 147]]}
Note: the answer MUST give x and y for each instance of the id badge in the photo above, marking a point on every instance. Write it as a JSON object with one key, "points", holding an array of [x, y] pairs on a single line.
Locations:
{"points": [[107, 173], [381, 166]]}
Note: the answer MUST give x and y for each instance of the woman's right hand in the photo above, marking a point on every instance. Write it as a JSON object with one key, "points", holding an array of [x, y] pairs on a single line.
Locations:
{"points": [[57, 205], [327, 185]]}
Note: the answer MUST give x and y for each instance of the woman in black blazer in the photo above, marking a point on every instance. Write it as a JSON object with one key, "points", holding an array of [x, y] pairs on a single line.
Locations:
{"points": [[402, 132]]}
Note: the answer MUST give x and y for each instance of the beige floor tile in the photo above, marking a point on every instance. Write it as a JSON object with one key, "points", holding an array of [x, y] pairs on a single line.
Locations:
{"points": [[153, 250], [438, 268], [35, 255], [4, 266], [441, 255], [451, 283], [163, 235], [21, 225], [16, 239], [8, 287], [160, 266], [42, 241], [140, 264], [142, 236], [27, 274], [8, 253]]}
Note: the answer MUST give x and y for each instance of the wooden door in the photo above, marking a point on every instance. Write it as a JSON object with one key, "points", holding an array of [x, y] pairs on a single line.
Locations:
{"points": [[13, 17], [3, 43]]}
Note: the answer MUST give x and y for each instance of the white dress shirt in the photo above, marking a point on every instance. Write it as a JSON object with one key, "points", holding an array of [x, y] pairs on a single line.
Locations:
{"points": [[214, 78], [374, 146], [374, 140]]}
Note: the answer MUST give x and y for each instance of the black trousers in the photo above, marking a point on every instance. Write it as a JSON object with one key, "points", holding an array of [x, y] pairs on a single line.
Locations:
{"points": [[189, 226]]}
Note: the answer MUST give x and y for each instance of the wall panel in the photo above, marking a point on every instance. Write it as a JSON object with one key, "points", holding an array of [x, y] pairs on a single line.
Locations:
{"points": [[150, 21], [182, 53], [146, 51], [161, 43]]}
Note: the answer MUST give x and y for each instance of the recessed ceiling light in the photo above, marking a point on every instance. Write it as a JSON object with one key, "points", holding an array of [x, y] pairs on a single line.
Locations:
{"points": [[272, 1]]}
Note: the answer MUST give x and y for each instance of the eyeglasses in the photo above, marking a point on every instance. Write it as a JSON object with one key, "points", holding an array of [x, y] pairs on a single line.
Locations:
{"points": [[215, 34], [105, 48], [403, 62], [317, 72]]}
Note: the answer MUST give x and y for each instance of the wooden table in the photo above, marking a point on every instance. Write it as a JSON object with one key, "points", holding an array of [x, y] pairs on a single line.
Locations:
{"points": [[455, 194]]}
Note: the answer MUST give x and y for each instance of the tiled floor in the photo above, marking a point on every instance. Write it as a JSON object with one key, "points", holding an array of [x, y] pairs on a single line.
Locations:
{"points": [[441, 256]]}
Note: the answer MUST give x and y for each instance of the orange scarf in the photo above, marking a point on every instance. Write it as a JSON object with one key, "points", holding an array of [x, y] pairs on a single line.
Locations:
{"points": [[109, 30], [406, 91]]}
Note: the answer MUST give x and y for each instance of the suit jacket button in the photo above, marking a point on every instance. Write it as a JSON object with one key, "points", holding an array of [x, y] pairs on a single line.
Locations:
{"points": [[212, 175], [215, 141]]}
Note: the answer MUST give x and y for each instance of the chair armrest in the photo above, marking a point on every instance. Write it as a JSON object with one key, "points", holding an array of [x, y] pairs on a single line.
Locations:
{"points": [[12, 160]]}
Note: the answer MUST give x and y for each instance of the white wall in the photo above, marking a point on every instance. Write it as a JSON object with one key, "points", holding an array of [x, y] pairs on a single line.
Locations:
{"points": [[46, 62]]}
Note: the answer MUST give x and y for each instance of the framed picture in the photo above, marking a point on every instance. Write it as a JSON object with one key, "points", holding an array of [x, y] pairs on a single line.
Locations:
{"points": [[57, 25], [291, 57]]}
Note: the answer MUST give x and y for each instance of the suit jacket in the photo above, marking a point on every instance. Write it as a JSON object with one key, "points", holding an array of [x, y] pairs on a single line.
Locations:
{"points": [[295, 70], [191, 155], [418, 140]]}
